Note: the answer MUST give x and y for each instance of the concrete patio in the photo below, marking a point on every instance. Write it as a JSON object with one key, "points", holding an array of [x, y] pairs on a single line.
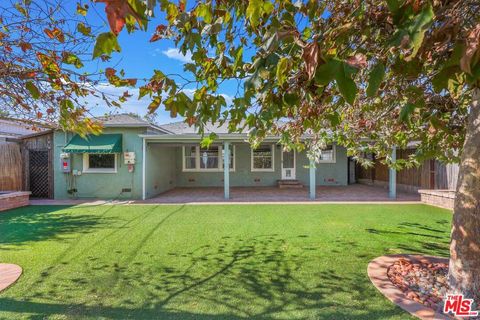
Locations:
{"points": [[347, 194]]}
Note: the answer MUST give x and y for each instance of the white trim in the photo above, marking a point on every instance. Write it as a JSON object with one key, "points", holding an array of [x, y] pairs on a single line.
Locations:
{"points": [[87, 169], [252, 169], [144, 164], [197, 160], [334, 156], [294, 169]]}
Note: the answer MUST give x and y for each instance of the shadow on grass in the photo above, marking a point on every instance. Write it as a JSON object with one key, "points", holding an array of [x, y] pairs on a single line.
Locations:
{"points": [[37, 223], [232, 278], [429, 240]]}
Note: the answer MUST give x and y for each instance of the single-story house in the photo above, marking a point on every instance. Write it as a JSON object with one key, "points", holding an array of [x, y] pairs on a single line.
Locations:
{"points": [[134, 159]]}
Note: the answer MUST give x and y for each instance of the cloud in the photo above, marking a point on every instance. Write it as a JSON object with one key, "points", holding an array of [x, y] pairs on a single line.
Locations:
{"points": [[174, 53]]}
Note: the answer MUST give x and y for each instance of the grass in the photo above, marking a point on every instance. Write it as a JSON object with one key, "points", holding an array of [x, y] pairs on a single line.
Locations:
{"points": [[209, 262]]}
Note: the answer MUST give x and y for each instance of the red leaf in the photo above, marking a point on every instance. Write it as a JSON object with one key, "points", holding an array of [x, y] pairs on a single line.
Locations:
{"points": [[110, 72], [159, 33], [117, 11], [25, 46], [182, 5]]}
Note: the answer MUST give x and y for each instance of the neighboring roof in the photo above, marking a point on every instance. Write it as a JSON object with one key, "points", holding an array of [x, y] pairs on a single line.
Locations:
{"points": [[15, 128], [183, 128], [103, 143], [126, 120]]}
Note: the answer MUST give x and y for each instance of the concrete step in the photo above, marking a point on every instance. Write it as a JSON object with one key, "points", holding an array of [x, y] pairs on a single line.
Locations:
{"points": [[283, 184]]}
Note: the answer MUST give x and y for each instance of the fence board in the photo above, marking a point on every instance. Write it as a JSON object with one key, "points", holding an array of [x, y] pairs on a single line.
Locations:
{"points": [[10, 167]]}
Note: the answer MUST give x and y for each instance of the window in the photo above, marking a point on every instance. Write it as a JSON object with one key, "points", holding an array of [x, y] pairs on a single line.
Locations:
{"points": [[99, 162], [196, 158], [328, 154], [209, 158], [190, 157], [263, 158]]}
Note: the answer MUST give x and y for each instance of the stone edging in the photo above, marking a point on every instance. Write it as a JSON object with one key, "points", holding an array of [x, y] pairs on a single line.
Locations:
{"points": [[9, 273], [377, 272]]}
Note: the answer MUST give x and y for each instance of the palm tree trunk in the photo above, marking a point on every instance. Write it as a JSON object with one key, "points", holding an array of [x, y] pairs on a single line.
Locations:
{"points": [[464, 269]]}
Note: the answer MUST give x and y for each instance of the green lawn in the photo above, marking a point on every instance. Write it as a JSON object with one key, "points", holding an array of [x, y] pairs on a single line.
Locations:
{"points": [[209, 262]]}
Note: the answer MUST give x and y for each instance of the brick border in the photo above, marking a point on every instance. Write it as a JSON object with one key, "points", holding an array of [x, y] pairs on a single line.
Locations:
{"points": [[377, 272], [9, 273]]}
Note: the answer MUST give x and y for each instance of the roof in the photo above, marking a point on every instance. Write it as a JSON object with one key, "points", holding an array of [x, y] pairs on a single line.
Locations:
{"points": [[126, 120], [181, 127], [15, 128]]}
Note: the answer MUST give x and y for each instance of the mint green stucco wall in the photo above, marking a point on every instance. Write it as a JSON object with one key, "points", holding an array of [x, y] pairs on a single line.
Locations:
{"points": [[327, 173], [101, 185], [161, 172]]}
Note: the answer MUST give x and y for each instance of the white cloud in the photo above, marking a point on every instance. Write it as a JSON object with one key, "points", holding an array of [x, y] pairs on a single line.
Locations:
{"points": [[174, 53]]}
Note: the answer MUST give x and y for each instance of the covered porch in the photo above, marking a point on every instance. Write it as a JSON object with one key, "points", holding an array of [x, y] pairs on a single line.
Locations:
{"points": [[176, 169], [323, 194]]}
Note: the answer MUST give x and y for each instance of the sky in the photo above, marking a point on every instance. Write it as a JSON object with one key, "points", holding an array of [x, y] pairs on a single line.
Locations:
{"points": [[138, 58]]}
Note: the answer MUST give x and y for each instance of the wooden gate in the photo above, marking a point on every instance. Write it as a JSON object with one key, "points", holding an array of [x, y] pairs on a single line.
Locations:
{"points": [[38, 169]]}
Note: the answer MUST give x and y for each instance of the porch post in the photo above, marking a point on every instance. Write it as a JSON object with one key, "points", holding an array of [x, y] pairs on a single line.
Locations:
{"points": [[144, 163], [313, 187], [392, 177], [226, 169]]}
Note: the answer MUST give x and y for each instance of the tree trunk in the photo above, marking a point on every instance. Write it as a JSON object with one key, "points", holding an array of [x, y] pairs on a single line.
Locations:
{"points": [[464, 269]]}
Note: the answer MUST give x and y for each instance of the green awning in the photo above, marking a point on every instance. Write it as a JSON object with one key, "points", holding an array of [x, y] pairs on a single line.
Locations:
{"points": [[104, 143]]}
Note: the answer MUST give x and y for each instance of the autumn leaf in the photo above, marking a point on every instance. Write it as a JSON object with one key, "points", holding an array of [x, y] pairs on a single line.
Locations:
{"points": [[310, 57], [83, 29], [282, 70], [25, 46], [117, 11], [159, 33], [471, 50], [82, 10]]}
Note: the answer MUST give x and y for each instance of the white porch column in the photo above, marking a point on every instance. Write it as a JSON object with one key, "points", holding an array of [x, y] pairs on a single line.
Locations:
{"points": [[144, 163], [226, 169], [313, 187], [392, 177]]}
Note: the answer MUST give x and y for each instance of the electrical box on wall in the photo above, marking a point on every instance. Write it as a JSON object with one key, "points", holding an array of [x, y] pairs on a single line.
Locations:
{"points": [[65, 162], [129, 157]]}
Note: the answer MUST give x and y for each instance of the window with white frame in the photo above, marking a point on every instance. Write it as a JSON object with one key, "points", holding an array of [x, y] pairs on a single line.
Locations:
{"points": [[263, 158], [99, 163], [196, 158], [328, 154]]}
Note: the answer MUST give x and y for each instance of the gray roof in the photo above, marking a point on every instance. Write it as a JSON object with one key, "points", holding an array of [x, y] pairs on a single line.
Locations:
{"points": [[17, 128], [126, 120], [183, 128]]}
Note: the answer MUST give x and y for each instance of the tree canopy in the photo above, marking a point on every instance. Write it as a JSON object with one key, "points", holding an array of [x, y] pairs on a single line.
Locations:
{"points": [[367, 74]]}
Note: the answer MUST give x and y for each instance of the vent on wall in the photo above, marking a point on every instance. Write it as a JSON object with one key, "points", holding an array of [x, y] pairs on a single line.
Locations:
{"points": [[191, 180], [257, 180], [126, 190]]}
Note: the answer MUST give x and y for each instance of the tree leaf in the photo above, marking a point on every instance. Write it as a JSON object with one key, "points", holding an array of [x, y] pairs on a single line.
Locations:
{"points": [[419, 26], [406, 111], [105, 44], [70, 58], [204, 12], [83, 29], [256, 9], [282, 70], [326, 72], [345, 84], [375, 79], [32, 88]]}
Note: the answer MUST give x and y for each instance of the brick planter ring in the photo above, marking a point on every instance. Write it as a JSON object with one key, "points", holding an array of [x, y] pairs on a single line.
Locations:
{"points": [[377, 272], [9, 273]]}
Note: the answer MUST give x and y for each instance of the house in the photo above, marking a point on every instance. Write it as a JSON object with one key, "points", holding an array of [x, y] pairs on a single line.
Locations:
{"points": [[134, 159]]}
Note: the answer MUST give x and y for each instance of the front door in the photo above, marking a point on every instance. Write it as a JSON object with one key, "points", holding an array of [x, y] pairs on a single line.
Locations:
{"points": [[38, 167], [288, 165]]}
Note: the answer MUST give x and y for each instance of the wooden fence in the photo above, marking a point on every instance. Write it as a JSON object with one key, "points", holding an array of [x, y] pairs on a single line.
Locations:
{"points": [[431, 174], [10, 167]]}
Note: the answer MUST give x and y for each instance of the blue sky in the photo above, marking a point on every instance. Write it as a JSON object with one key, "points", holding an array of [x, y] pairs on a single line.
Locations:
{"points": [[138, 59]]}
